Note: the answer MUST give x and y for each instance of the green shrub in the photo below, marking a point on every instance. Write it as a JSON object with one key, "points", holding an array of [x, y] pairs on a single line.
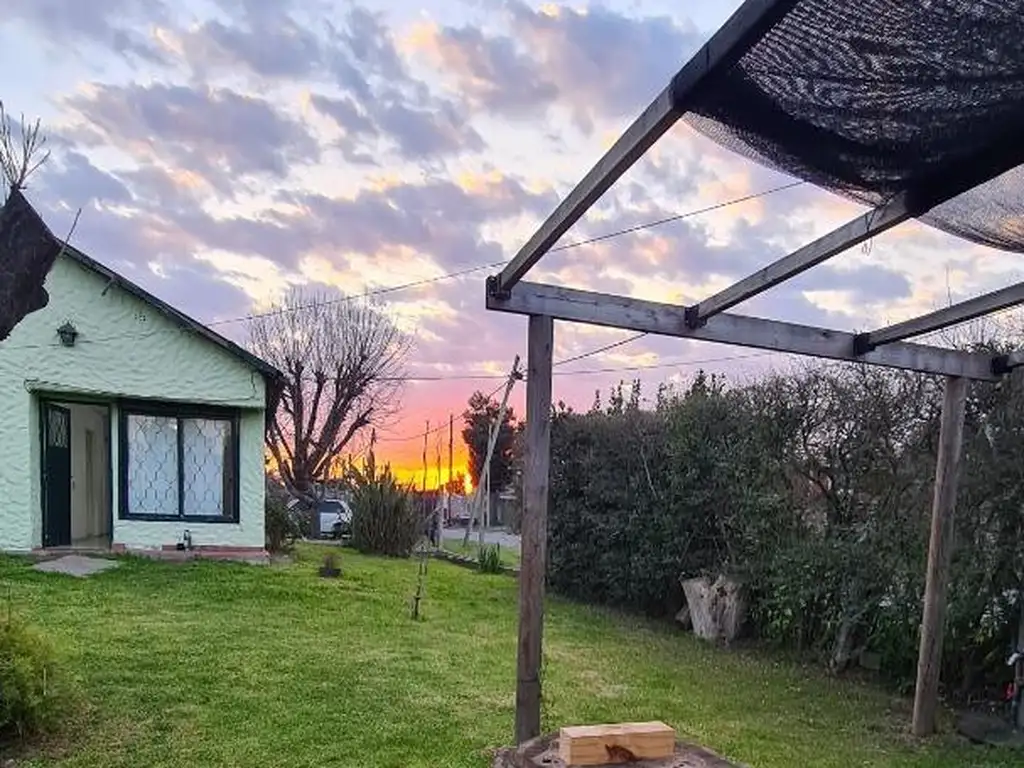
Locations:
{"points": [[384, 519], [29, 677], [641, 497], [281, 527], [490, 558]]}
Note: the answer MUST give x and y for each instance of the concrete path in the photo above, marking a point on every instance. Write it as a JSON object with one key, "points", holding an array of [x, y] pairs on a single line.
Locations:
{"points": [[499, 536], [76, 565]]}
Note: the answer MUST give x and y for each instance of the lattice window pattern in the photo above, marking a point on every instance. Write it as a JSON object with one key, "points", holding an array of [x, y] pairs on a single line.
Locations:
{"points": [[180, 467], [57, 428]]}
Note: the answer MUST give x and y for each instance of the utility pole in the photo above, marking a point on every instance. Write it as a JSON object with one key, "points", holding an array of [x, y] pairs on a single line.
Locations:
{"points": [[423, 493], [451, 447], [439, 502], [425, 434], [492, 438]]}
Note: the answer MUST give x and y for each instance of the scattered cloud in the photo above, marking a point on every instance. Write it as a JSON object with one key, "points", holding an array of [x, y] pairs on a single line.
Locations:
{"points": [[222, 150], [597, 62], [117, 25], [215, 132]]}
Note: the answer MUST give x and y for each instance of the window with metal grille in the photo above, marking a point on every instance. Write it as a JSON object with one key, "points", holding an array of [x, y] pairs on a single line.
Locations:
{"points": [[179, 462]]}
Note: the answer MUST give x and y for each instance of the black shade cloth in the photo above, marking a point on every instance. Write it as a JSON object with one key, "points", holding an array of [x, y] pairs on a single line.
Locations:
{"points": [[873, 97]]}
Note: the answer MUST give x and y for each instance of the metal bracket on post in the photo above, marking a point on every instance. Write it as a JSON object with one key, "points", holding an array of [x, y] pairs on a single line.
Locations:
{"points": [[1004, 364], [862, 344], [495, 289], [692, 317]]}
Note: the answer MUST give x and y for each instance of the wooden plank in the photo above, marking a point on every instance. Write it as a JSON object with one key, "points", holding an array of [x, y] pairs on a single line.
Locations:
{"points": [[618, 743], [838, 240], [743, 29], [947, 316], [669, 320], [940, 550], [534, 526]]}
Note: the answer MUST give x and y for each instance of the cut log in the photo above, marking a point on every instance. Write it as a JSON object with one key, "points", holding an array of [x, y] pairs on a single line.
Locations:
{"points": [[616, 743], [718, 609]]}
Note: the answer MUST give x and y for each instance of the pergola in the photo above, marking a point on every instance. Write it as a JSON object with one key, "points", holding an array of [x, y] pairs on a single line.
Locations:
{"points": [[914, 107]]}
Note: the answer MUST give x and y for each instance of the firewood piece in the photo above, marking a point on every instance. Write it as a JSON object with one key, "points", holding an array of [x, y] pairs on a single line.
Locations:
{"points": [[615, 743]]}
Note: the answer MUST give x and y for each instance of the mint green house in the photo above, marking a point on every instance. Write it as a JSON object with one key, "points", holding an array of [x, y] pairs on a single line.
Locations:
{"points": [[126, 425]]}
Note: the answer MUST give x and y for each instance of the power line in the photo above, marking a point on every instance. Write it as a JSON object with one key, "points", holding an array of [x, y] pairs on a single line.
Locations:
{"points": [[449, 275], [491, 394], [470, 270], [615, 369], [599, 350], [677, 217], [363, 295]]}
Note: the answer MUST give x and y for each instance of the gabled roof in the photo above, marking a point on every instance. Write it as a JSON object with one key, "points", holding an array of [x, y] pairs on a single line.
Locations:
{"points": [[176, 316]]}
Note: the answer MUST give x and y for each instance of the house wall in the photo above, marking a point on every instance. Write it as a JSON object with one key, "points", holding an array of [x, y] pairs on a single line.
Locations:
{"points": [[125, 349]]}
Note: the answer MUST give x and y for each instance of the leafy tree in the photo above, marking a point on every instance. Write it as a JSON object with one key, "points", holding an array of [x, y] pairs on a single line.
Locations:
{"points": [[456, 485], [478, 418]]}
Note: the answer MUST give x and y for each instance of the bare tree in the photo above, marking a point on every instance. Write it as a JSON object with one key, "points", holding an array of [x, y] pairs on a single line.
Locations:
{"points": [[21, 153], [342, 361]]}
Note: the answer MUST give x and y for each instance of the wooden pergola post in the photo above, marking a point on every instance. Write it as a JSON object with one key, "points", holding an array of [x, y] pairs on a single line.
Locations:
{"points": [[534, 526], [940, 550]]}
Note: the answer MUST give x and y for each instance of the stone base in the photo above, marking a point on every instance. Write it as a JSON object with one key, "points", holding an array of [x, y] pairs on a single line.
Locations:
{"points": [[542, 752], [252, 555], [989, 729]]}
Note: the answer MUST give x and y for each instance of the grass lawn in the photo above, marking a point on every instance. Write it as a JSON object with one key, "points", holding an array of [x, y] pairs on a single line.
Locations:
{"points": [[509, 556], [210, 664]]}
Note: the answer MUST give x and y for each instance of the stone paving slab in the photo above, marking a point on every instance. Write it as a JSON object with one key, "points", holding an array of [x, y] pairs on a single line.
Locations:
{"points": [[76, 565]]}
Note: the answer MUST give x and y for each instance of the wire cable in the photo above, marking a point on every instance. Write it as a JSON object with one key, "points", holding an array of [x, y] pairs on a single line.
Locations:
{"points": [[470, 270]]}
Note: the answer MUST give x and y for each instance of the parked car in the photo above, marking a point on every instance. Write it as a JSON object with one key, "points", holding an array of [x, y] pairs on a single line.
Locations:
{"points": [[335, 518]]}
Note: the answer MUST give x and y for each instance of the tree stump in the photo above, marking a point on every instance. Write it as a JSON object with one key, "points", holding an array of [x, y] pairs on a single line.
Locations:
{"points": [[718, 609], [542, 752]]}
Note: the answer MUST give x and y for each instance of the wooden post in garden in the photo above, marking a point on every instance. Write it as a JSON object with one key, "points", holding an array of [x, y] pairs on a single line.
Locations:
{"points": [[1019, 670], [534, 526], [940, 550]]}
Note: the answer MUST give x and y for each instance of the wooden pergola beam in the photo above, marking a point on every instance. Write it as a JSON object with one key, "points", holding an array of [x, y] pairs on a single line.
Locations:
{"points": [[967, 173], [970, 309], [852, 233], [726, 328], [743, 29]]}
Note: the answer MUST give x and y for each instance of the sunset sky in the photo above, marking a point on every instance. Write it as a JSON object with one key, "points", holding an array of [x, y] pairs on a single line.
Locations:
{"points": [[223, 150]]}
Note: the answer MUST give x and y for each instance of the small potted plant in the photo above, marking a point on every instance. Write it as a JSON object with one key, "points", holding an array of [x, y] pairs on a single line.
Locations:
{"points": [[330, 568]]}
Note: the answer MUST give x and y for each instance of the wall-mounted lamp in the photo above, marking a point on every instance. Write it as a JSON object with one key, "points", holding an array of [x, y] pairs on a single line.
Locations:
{"points": [[68, 333]]}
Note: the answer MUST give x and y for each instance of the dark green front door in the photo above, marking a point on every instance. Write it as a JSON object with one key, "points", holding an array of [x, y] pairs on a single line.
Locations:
{"points": [[56, 476]]}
